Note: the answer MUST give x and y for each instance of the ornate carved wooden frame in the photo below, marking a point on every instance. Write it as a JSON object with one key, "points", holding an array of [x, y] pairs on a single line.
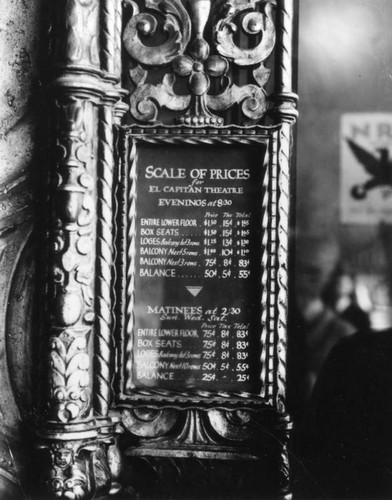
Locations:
{"points": [[80, 423], [275, 185]]}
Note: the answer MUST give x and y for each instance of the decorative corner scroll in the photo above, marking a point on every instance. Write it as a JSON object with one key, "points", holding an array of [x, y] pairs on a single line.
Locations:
{"points": [[176, 28], [197, 47]]}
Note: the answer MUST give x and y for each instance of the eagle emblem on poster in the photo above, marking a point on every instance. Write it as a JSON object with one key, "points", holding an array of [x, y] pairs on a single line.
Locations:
{"points": [[366, 168]]}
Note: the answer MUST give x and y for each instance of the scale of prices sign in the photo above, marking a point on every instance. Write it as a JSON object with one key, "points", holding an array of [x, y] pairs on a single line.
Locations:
{"points": [[366, 168], [201, 269], [195, 277]]}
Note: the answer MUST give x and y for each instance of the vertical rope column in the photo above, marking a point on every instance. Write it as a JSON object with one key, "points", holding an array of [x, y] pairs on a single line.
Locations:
{"points": [[108, 44], [117, 37], [285, 109], [284, 45], [131, 264], [285, 98], [104, 263], [282, 254], [264, 276]]}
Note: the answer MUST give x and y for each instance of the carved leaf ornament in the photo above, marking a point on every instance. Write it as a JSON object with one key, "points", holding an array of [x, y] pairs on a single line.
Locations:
{"points": [[70, 376], [171, 35], [72, 267]]}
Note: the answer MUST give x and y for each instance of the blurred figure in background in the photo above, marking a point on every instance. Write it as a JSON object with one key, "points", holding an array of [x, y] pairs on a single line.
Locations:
{"points": [[340, 295], [349, 442], [315, 327]]}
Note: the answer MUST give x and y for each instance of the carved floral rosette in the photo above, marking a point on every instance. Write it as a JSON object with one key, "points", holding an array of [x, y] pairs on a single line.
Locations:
{"points": [[198, 45]]}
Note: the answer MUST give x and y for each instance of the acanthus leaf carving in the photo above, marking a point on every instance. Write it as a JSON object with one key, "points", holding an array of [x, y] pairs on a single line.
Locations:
{"points": [[253, 23], [204, 66], [71, 264], [70, 379], [147, 98], [251, 98], [176, 28]]}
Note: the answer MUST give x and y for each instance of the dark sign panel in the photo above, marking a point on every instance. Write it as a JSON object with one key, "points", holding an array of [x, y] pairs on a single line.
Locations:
{"points": [[198, 268]]}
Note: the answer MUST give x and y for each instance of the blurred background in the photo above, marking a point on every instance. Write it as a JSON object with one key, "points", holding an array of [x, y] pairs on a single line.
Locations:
{"points": [[345, 88]]}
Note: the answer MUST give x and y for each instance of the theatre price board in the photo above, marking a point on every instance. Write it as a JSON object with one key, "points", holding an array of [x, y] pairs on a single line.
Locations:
{"points": [[198, 239]]}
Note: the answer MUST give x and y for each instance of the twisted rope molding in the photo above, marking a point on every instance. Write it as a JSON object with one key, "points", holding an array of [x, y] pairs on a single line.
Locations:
{"points": [[191, 398], [285, 45], [272, 313], [117, 38], [282, 255], [104, 262], [285, 98], [108, 37], [199, 131], [179, 136], [199, 140], [264, 275], [131, 264]]}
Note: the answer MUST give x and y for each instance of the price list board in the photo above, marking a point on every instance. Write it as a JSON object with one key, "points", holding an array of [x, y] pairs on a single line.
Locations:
{"points": [[198, 240]]}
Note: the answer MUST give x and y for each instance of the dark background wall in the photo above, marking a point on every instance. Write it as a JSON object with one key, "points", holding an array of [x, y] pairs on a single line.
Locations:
{"points": [[20, 33]]}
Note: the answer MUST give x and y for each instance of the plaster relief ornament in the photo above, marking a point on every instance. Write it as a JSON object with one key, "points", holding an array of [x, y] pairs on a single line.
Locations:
{"points": [[71, 268], [68, 478], [194, 44], [70, 376]]}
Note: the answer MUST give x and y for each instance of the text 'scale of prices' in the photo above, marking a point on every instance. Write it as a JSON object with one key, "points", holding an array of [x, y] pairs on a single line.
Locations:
{"points": [[197, 278]]}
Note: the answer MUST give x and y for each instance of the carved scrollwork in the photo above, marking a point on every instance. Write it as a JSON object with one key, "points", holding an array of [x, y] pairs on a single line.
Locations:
{"points": [[147, 99], [189, 58], [176, 27], [253, 23], [144, 422], [251, 98], [232, 425]]}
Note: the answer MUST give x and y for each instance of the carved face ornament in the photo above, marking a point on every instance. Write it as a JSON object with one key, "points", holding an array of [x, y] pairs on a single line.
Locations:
{"points": [[63, 457]]}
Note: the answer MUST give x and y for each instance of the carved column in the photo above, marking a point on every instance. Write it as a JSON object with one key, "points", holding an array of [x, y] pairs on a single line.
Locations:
{"points": [[83, 96], [286, 112]]}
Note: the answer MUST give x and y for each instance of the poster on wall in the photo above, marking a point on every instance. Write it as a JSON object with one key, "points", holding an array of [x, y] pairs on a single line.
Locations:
{"points": [[366, 168]]}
